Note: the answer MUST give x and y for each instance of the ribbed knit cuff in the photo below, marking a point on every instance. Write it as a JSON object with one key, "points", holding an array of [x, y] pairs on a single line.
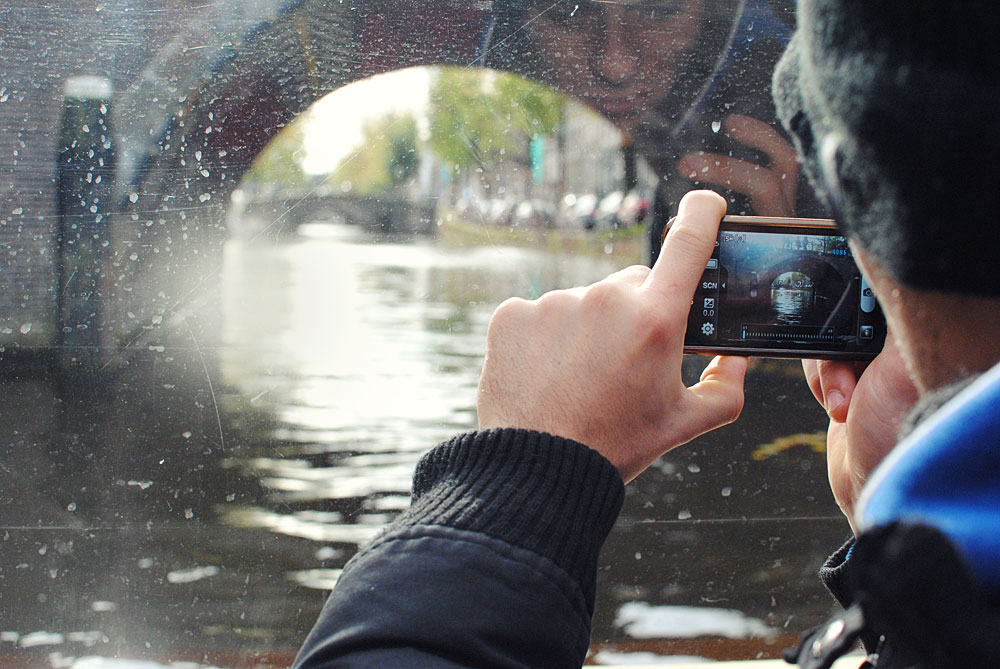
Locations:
{"points": [[549, 495], [835, 573]]}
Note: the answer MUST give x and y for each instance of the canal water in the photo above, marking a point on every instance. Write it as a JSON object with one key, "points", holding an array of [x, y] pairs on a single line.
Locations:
{"points": [[793, 306], [197, 504]]}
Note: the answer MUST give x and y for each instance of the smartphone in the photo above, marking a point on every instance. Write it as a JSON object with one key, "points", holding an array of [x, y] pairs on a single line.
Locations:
{"points": [[787, 288]]}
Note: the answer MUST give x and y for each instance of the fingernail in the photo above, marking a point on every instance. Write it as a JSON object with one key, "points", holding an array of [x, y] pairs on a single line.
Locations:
{"points": [[833, 400]]}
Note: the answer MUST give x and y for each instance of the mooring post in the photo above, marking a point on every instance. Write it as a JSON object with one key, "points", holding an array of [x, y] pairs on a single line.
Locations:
{"points": [[85, 184], [630, 160]]}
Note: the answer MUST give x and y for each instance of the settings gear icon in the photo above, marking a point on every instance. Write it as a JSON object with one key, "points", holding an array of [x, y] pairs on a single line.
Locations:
{"points": [[707, 329]]}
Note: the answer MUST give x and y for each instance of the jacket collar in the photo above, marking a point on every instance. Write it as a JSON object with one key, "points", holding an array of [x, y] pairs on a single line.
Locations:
{"points": [[946, 474]]}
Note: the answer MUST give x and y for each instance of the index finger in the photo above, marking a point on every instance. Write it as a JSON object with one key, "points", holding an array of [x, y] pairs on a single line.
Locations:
{"points": [[687, 248]]}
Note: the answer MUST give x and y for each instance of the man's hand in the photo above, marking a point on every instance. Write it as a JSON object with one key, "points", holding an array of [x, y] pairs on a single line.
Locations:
{"points": [[771, 188], [602, 364], [866, 407]]}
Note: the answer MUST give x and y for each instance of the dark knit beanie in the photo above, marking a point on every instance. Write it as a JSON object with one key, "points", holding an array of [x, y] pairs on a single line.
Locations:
{"points": [[903, 96]]}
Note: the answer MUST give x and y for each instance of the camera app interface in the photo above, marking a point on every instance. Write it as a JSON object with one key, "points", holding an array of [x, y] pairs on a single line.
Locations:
{"points": [[784, 291]]}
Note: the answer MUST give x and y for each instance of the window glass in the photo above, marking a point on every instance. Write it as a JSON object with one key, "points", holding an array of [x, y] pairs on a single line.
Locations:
{"points": [[251, 250]]}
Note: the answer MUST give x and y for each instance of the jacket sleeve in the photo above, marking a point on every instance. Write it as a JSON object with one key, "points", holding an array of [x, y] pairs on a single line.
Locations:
{"points": [[493, 565]]}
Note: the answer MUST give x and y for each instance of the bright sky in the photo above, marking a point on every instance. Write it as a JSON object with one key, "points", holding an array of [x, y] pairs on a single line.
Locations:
{"points": [[333, 129]]}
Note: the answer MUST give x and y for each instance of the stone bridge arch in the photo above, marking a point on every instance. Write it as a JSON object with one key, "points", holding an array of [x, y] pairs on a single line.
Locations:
{"points": [[212, 99], [831, 281], [199, 86]]}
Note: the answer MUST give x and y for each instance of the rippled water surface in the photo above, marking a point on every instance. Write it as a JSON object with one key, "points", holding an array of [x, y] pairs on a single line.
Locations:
{"points": [[792, 306], [198, 505]]}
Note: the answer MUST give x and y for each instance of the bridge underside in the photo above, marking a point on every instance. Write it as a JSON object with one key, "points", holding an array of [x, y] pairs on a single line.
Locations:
{"points": [[168, 240], [188, 116]]}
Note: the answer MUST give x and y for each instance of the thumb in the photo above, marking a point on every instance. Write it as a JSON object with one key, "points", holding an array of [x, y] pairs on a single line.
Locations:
{"points": [[837, 382]]}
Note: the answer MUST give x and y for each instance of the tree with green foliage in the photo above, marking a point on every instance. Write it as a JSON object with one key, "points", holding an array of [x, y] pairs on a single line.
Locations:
{"points": [[404, 158], [477, 120]]}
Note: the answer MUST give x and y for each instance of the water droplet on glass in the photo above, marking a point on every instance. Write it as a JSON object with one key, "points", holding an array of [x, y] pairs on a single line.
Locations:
{"points": [[189, 514], [133, 197], [684, 515], [26, 328], [716, 126], [727, 491], [71, 506]]}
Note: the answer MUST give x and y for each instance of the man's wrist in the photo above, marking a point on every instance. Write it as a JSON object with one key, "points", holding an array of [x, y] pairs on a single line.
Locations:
{"points": [[553, 496]]}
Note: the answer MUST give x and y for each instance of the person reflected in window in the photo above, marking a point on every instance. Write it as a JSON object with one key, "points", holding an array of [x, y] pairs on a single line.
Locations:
{"points": [[686, 80]]}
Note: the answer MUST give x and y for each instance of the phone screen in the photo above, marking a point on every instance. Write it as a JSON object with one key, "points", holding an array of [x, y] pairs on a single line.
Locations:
{"points": [[787, 289]]}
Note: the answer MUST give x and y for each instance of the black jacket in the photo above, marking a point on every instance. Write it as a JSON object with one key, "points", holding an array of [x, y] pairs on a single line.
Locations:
{"points": [[911, 601], [494, 565]]}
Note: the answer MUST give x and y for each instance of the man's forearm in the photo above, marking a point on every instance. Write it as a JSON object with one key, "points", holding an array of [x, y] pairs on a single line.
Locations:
{"points": [[494, 563]]}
